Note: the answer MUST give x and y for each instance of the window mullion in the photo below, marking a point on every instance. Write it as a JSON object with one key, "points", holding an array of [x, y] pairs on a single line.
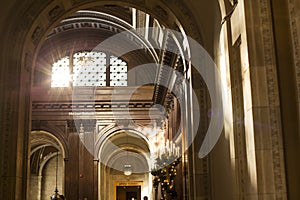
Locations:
{"points": [[107, 69]]}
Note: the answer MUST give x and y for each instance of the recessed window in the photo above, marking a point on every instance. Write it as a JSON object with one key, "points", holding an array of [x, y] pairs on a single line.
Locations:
{"points": [[89, 69], [118, 72], [61, 73]]}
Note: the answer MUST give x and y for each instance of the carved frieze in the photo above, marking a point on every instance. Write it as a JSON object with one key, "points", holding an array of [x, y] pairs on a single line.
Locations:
{"points": [[273, 97], [295, 41], [37, 34], [55, 12]]}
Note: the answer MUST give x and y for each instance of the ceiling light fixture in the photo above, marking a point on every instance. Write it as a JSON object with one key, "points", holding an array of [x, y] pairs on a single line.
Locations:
{"points": [[127, 170]]}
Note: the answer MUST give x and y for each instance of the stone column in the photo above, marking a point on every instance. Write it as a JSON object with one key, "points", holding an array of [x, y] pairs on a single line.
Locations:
{"points": [[286, 20], [200, 176], [14, 124], [264, 168], [95, 181], [72, 164], [86, 159], [39, 192], [294, 23]]}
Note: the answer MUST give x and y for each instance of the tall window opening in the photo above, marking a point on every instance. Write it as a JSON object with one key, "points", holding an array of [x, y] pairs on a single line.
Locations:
{"points": [[61, 73], [118, 72]]}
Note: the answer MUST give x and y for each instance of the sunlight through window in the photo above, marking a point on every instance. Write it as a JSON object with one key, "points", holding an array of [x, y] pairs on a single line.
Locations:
{"points": [[118, 72], [61, 73], [89, 69]]}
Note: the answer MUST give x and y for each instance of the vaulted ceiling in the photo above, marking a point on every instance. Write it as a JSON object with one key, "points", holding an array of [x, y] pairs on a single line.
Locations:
{"points": [[85, 30]]}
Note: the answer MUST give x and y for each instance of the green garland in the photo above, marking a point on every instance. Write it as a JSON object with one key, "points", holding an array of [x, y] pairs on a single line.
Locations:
{"points": [[164, 173]]}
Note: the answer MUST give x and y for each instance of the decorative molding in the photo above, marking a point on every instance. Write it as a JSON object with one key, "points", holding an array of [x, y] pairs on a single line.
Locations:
{"points": [[84, 25], [28, 62], [204, 169], [295, 41], [68, 106], [167, 62], [43, 139], [273, 97], [58, 128], [37, 34], [238, 117], [31, 12], [55, 12], [8, 120], [186, 18]]}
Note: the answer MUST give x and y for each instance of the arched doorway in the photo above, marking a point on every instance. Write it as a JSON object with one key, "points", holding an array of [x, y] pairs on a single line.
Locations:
{"points": [[47, 169], [125, 164]]}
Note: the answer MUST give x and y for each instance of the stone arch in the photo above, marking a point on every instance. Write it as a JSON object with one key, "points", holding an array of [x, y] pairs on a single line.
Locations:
{"points": [[24, 36], [112, 160], [56, 134], [33, 31], [48, 137], [30, 31], [43, 141], [112, 129]]}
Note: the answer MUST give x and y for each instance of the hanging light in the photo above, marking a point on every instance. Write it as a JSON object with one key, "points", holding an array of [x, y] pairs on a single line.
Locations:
{"points": [[56, 195], [127, 170]]}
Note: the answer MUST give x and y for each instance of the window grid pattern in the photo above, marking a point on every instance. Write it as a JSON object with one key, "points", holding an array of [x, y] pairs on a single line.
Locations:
{"points": [[89, 69], [61, 73], [118, 72]]}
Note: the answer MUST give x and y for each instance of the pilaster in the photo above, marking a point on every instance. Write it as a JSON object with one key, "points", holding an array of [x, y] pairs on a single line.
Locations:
{"points": [[264, 167]]}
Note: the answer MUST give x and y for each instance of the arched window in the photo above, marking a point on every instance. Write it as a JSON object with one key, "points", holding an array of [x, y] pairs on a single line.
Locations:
{"points": [[89, 69]]}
